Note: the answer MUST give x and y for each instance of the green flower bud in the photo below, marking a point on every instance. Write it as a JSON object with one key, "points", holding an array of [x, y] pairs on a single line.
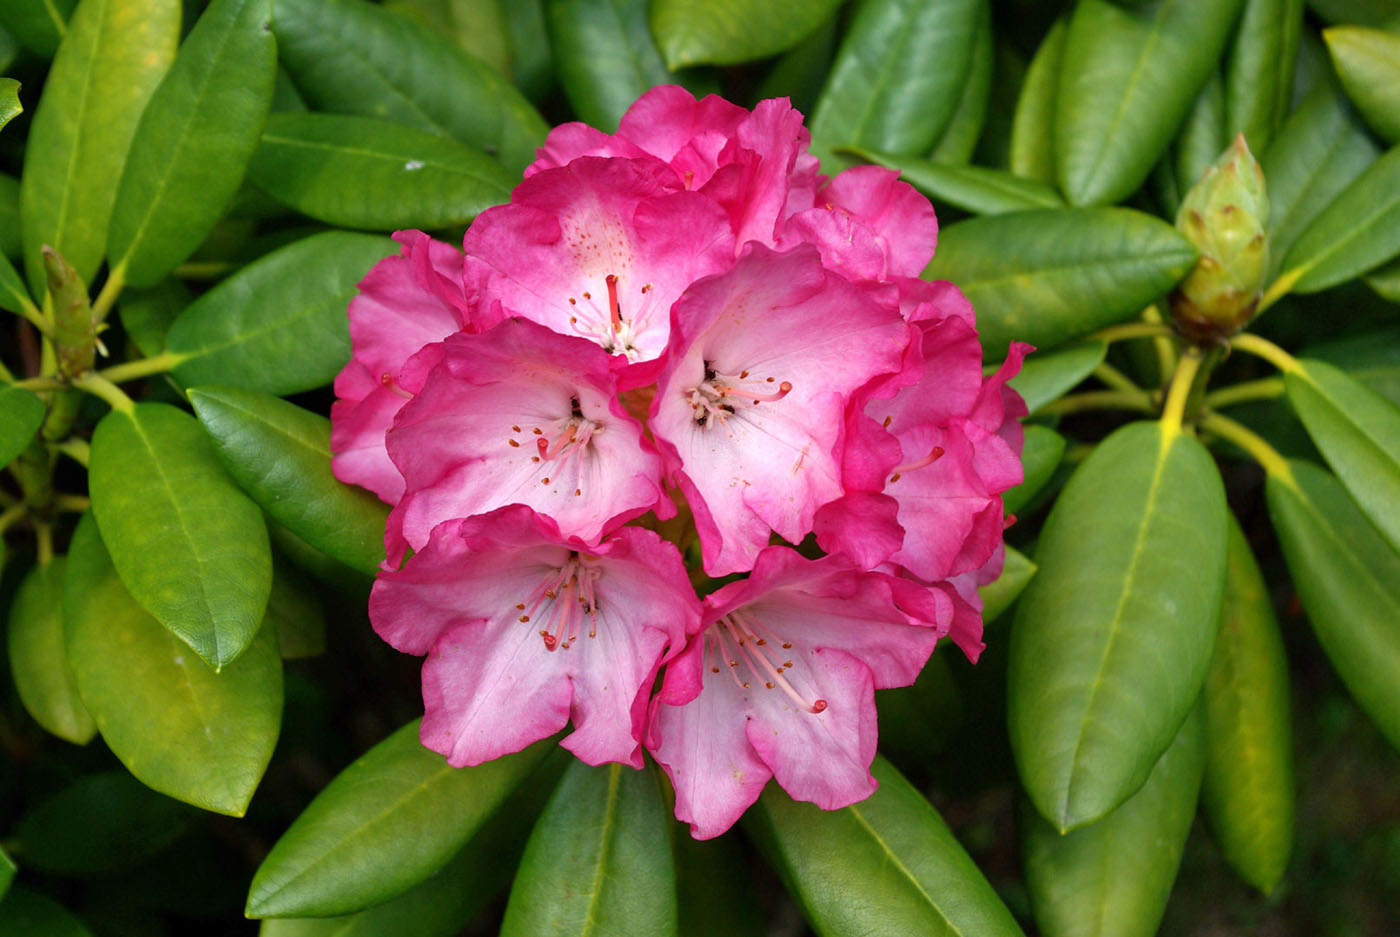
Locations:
{"points": [[74, 331], [1224, 217]]}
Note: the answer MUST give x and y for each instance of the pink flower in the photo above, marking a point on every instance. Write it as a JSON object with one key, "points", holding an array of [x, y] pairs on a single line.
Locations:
{"points": [[781, 684], [526, 629]]}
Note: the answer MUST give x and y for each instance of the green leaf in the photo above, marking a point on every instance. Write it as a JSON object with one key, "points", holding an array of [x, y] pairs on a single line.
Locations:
{"points": [[99, 823], [1358, 433], [918, 723], [7, 874], [147, 314], [39, 660], [714, 889], [1113, 637], [1386, 281], [21, 415], [800, 72], [479, 26], [1371, 357], [531, 55], [13, 295], [39, 25], [730, 32], [881, 93], [25, 913], [295, 615], [194, 140], [602, 87], [1348, 579], [1321, 148], [9, 217], [1359, 230], [10, 107], [1112, 879], [179, 727], [1248, 790], [598, 861], [278, 325], [976, 189], [1259, 69], [1201, 139], [1033, 126], [1368, 62], [360, 172], [1131, 76], [1378, 13], [190, 547], [894, 846], [384, 824], [280, 454], [352, 57], [113, 56], [1048, 276], [959, 137], [1039, 458], [1045, 376], [997, 595]]}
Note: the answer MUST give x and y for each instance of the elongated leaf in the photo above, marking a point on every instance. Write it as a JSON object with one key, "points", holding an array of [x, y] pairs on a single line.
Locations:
{"points": [[9, 217], [1033, 126], [1201, 139], [1358, 433], [1248, 791], [714, 890], [351, 57], [359, 172], [13, 295], [1113, 637], [10, 106], [39, 660], [1048, 276], [385, 823], [602, 87], [21, 415], [1371, 357], [1358, 231], [800, 73], [25, 913], [1039, 458], [960, 135], [194, 140], [294, 614], [881, 93], [39, 25], [1047, 375], [147, 314], [479, 26], [976, 189], [7, 875], [997, 595], [1368, 62], [1112, 879], [1386, 281], [179, 727], [1378, 13], [189, 546], [1321, 148], [278, 325], [1348, 578], [113, 56], [531, 55], [895, 846], [728, 32], [280, 454], [598, 861], [1259, 70], [1131, 75]]}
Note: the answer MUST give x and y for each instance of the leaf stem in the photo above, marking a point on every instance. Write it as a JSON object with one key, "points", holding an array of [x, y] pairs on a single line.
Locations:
{"points": [[1163, 345], [43, 533], [1174, 411], [99, 386], [144, 367], [116, 279], [204, 269], [1279, 288], [1115, 333], [1252, 344], [12, 515], [1251, 442], [1115, 378], [31, 314], [1264, 389], [1138, 400], [72, 504], [76, 449]]}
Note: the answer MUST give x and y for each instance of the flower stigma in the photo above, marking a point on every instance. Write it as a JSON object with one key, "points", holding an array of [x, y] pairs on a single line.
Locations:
{"points": [[752, 649], [562, 600], [719, 395]]}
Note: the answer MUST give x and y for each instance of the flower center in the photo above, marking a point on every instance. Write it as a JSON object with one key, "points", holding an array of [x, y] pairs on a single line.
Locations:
{"points": [[561, 441], [751, 647], [720, 396], [608, 327], [561, 601]]}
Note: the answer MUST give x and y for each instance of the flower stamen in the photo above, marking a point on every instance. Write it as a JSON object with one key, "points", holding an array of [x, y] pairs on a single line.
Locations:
{"points": [[753, 650]]}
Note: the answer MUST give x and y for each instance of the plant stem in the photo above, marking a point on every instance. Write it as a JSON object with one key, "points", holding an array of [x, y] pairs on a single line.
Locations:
{"points": [[1115, 333], [144, 367], [76, 449], [99, 386], [1252, 344], [1250, 441], [1115, 378], [73, 504], [1138, 400], [12, 515], [116, 279], [1264, 389], [204, 269], [1174, 411], [1279, 289], [43, 533], [1162, 345]]}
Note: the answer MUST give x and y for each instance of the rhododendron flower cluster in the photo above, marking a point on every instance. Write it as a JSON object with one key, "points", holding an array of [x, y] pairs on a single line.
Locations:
{"points": [[679, 352]]}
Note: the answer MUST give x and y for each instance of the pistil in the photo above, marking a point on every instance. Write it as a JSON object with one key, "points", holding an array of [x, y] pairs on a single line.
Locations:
{"points": [[561, 600], [752, 649]]}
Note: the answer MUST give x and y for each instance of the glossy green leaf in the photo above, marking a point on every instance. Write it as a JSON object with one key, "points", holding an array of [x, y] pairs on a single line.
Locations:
{"points": [[1259, 70], [279, 324], [10, 106], [598, 861], [9, 217], [602, 87], [13, 295], [1131, 76], [1033, 126], [714, 889], [918, 723], [1112, 879], [1371, 357], [39, 660], [351, 57], [189, 546], [147, 314], [976, 189], [532, 57], [959, 137], [113, 56], [1320, 149], [1045, 376], [25, 913], [800, 73], [179, 727], [384, 824], [280, 454], [893, 851], [479, 26], [21, 415], [728, 32], [1113, 637], [194, 140], [1359, 230], [1048, 276], [1386, 281], [1358, 433], [7, 873], [1039, 458], [99, 823], [295, 615], [881, 92], [1378, 13], [997, 595], [1248, 789], [39, 25], [1368, 62], [1201, 139], [1348, 578], [360, 172]]}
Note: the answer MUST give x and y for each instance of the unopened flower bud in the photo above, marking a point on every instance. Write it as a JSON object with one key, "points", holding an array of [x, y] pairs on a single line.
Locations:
{"points": [[74, 332], [1223, 216]]}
